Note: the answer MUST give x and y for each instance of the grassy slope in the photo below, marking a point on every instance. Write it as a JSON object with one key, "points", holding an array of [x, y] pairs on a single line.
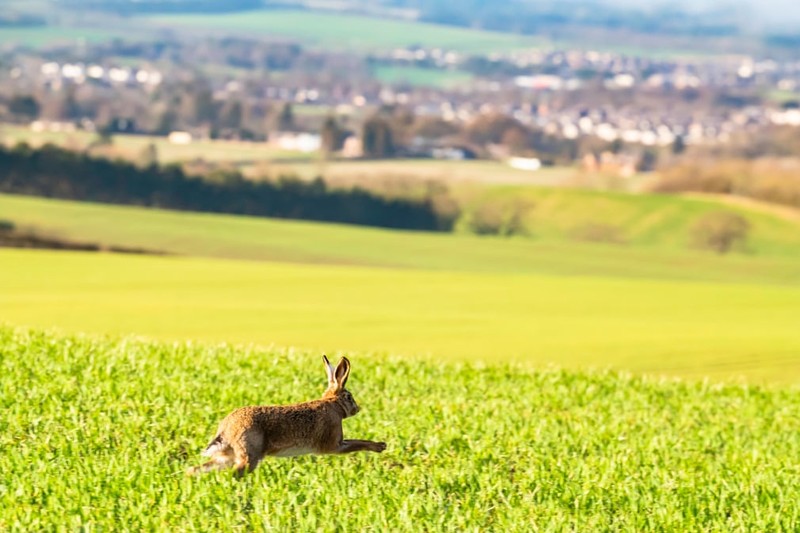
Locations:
{"points": [[106, 429], [656, 226], [671, 327]]}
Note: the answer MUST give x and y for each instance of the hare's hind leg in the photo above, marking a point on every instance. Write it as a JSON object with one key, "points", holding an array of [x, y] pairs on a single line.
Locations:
{"points": [[248, 452], [355, 445]]}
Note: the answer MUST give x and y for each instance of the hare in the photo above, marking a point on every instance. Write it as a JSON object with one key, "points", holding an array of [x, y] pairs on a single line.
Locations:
{"points": [[249, 434]]}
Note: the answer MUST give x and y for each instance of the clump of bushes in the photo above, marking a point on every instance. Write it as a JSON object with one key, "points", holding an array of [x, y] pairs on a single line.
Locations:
{"points": [[719, 231], [503, 217], [769, 180]]}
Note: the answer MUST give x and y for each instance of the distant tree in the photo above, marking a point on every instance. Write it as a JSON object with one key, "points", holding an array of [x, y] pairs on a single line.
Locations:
{"points": [[377, 138], [24, 107], [70, 109], [679, 145], [719, 231], [647, 162], [167, 122], [285, 121], [332, 135], [490, 128], [231, 115], [61, 106], [516, 139], [198, 106], [434, 128]]}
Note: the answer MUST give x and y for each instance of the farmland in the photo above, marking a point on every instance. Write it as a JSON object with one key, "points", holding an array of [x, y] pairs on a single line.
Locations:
{"points": [[107, 428], [130, 146], [49, 35], [343, 31], [423, 77], [364, 172], [714, 329], [655, 229]]}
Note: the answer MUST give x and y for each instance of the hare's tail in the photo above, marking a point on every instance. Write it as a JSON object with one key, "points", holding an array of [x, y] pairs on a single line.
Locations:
{"points": [[216, 445]]}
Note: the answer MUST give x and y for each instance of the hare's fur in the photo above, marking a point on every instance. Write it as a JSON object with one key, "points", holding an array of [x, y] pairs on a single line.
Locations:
{"points": [[249, 434]]}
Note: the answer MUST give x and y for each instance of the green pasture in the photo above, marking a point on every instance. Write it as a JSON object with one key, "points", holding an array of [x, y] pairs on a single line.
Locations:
{"points": [[657, 229], [38, 36], [345, 30], [688, 328], [96, 434], [421, 77]]}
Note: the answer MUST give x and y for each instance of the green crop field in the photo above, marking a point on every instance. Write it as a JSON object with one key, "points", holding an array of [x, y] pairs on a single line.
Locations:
{"points": [[340, 30], [422, 77], [96, 435], [50, 35], [656, 229], [651, 305], [649, 326]]}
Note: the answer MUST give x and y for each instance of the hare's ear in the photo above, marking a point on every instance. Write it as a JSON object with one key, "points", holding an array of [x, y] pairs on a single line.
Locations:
{"points": [[329, 371], [342, 372]]}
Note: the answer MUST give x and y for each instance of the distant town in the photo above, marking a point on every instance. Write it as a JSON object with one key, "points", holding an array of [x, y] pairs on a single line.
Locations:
{"points": [[554, 106]]}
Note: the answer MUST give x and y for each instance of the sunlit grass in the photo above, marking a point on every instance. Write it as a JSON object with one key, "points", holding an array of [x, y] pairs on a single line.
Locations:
{"points": [[96, 435], [688, 328]]}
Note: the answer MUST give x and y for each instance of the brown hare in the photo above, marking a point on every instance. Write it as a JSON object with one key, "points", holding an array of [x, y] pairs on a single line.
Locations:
{"points": [[249, 434]]}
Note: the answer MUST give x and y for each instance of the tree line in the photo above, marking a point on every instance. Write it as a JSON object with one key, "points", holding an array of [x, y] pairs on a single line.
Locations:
{"points": [[58, 173]]}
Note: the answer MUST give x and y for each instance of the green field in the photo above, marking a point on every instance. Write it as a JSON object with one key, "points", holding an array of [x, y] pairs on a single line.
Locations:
{"points": [[645, 325], [345, 31], [656, 230], [421, 77], [53, 35], [96, 435], [651, 305]]}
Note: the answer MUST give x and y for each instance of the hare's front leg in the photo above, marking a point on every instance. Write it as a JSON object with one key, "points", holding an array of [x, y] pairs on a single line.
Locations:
{"points": [[355, 445], [218, 462]]}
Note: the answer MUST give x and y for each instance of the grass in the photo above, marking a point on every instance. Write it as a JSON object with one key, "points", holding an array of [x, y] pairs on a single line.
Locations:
{"points": [[421, 77], [656, 228], [347, 31], [107, 427], [39, 36], [645, 325]]}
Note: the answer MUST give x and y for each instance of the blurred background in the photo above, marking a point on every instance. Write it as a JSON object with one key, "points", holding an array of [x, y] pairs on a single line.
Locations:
{"points": [[582, 183]]}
